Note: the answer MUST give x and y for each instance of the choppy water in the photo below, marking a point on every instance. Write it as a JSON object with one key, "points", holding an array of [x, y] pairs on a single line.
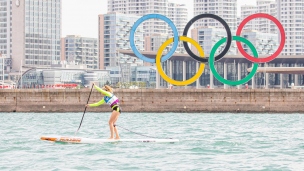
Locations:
{"points": [[207, 142]]}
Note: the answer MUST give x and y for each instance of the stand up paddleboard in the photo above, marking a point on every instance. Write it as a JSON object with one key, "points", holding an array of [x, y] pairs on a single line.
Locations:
{"points": [[81, 140]]}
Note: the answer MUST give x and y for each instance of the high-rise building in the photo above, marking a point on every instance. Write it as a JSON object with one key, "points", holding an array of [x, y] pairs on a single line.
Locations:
{"points": [[30, 32], [227, 9], [268, 7], [80, 50], [154, 28], [141, 8], [5, 34], [114, 32], [247, 10], [260, 24], [238, 21], [178, 13], [291, 15]]}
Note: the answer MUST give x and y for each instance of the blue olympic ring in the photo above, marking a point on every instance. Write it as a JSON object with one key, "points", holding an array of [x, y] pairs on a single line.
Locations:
{"points": [[151, 16]]}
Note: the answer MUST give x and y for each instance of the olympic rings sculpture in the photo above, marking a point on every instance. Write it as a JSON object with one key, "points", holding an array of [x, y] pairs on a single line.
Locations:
{"points": [[212, 57]]}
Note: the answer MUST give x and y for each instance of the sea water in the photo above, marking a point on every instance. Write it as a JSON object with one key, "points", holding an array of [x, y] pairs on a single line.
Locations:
{"points": [[207, 142]]}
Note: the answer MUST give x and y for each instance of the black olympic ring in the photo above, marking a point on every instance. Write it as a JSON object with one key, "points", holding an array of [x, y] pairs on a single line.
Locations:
{"points": [[223, 22]]}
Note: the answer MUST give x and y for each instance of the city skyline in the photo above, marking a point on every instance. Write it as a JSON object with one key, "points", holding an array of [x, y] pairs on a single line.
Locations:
{"points": [[39, 37], [81, 18]]}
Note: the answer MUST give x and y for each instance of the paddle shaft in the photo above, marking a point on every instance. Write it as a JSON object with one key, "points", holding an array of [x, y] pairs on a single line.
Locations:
{"points": [[84, 110]]}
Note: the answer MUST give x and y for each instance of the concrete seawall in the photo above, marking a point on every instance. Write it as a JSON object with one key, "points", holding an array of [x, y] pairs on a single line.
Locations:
{"points": [[161, 100]]}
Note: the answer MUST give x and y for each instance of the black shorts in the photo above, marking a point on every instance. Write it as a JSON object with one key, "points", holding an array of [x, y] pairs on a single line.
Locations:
{"points": [[117, 108]]}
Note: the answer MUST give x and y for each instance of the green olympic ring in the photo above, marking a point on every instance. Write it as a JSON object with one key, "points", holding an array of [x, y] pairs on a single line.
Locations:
{"points": [[218, 76]]}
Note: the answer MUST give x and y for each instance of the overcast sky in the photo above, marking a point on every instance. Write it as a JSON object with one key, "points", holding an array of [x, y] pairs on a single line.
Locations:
{"points": [[80, 17]]}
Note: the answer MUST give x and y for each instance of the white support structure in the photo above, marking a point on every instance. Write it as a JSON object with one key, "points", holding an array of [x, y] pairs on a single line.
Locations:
{"points": [[211, 80], [253, 81], [225, 74], [170, 73], [266, 77], [170, 69], [184, 72], [296, 82], [157, 80], [281, 78], [239, 74], [197, 81]]}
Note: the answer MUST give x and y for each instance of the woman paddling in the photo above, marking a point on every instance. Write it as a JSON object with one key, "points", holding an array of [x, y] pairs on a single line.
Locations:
{"points": [[113, 101]]}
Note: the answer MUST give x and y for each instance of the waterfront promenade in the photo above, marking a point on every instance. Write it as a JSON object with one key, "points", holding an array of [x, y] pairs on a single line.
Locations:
{"points": [[156, 100]]}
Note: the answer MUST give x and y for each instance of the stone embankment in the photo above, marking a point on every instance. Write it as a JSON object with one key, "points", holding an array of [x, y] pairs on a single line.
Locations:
{"points": [[157, 100]]}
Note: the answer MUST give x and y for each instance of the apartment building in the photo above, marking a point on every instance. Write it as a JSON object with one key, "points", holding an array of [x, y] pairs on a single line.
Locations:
{"points": [[114, 32], [143, 7], [289, 13], [80, 50], [227, 9]]}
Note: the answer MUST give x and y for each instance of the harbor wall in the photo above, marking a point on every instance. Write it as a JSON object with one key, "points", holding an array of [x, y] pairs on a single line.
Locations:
{"points": [[157, 100]]}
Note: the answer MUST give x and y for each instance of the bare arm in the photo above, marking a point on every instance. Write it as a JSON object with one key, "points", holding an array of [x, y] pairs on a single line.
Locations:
{"points": [[98, 103]]}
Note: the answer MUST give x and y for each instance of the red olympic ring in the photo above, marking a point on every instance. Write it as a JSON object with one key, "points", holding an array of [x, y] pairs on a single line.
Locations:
{"points": [[279, 25]]}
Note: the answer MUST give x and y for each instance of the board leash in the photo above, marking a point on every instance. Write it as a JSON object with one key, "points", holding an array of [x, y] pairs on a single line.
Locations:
{"points": [[140, 133]]}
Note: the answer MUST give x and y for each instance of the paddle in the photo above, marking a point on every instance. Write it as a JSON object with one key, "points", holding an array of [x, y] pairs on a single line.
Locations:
{"points": [[85, 110]]}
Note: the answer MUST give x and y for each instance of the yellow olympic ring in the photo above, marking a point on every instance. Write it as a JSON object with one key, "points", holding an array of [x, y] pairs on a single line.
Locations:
{"points": [[163, 74]]}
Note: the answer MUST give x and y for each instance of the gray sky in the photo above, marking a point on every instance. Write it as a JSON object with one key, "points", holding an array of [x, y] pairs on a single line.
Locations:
{"points": [[80, 17]]}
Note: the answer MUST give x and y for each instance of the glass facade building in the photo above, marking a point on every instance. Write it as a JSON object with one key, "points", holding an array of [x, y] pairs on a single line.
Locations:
{"points": [[42, 32], [5, 38], [233, 67], [48, 78], [5, 44], [142, 74], [30, 32], [146, 74]]}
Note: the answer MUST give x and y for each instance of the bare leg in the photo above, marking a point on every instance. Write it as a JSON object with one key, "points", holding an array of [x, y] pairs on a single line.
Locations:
{"points": [[113, 118], [115, 128]]}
